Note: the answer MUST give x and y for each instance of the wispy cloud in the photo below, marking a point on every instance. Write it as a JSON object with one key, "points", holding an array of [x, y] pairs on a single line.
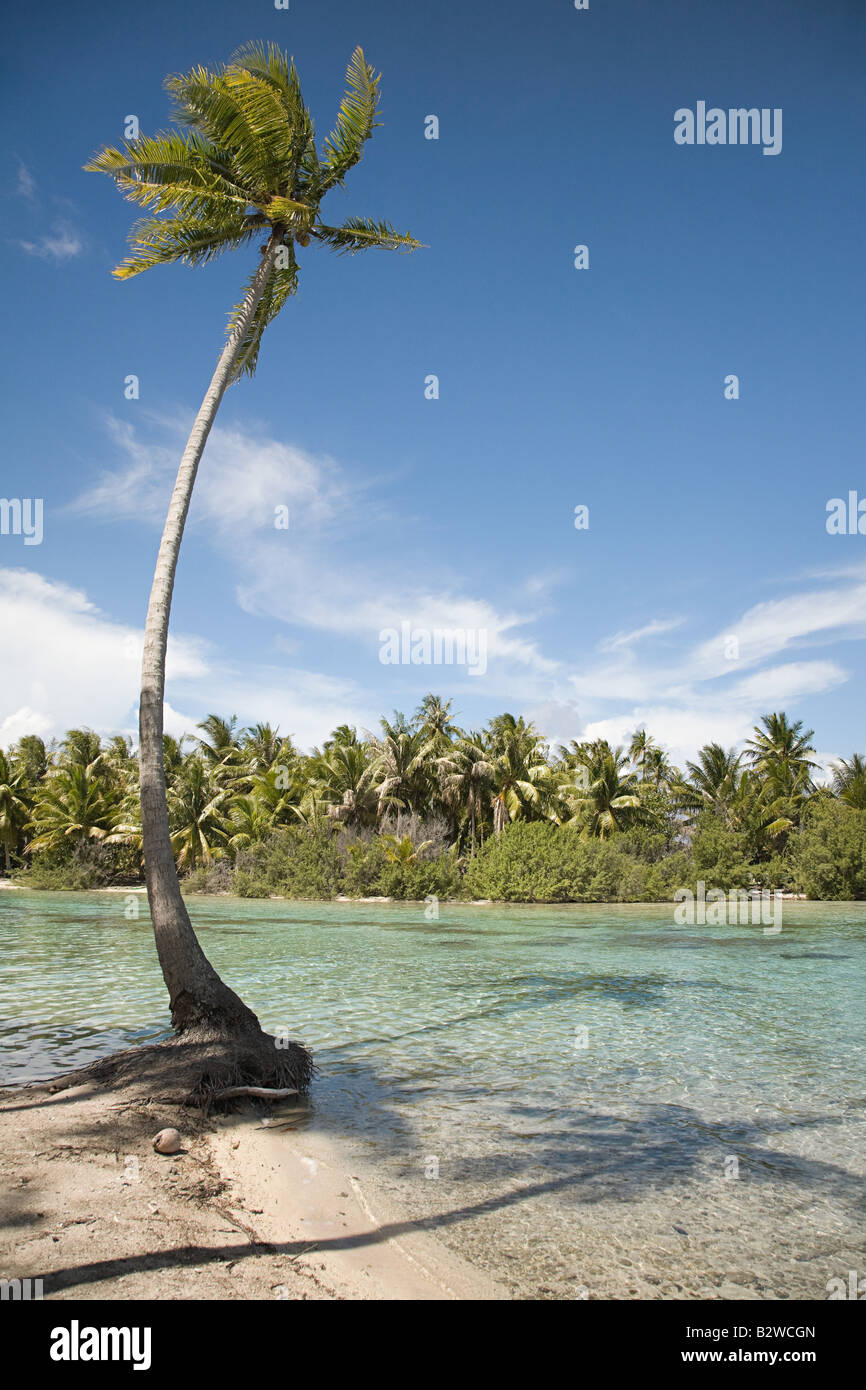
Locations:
{"points": [[61, 245], [628, 639], [26, 186], [248, 476], [345, 569]]}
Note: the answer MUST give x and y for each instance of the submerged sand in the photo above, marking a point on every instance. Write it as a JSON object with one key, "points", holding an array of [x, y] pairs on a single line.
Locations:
{"points": [[244, 1211]]}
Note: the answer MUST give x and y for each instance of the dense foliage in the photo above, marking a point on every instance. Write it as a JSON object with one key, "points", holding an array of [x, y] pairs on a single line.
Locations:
{"points": [[426, 809]]}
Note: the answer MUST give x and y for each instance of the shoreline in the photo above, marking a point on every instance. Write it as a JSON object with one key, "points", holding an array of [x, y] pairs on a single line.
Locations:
{"points": [[246, 1209], [763, 895]]}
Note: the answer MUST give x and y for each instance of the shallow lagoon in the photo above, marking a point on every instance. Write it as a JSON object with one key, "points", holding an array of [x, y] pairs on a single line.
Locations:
{"points": [[615, 1105]]}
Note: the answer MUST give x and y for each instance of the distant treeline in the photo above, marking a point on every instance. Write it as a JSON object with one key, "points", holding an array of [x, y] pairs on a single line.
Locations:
{"points": [[424, 808]]}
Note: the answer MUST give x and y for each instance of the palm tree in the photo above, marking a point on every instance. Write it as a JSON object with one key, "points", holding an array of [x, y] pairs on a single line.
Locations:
{"points": [[641, 748], [780, 752], [345, 782], [14, 813], [433, 717], [282, 792], [403, 765], [401, 849], [657, 770], [713, 782], [345, 734], [779, 757], [31, 758], [607, 798], [82, 747], [466, 774], [172, 756], [197, 815], [849, 781], [263, 746], [243, 164], [220, 747], [522, 777], [249, 822], [76, 806]]}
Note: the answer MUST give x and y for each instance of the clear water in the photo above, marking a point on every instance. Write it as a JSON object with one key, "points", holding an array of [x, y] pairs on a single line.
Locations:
{"points": [[615, 1106]]}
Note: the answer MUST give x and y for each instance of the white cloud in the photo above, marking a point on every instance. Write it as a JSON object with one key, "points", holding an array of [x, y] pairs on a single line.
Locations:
{"points": [[61, 245], [620, 640], [789, 682], [72, 665], [26, 183], [771, 627], [347, 569], [75, 666], [679, 729], [243, 478]]}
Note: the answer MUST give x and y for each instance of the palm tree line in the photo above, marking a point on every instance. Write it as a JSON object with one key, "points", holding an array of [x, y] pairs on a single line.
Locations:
{"points": [[230, 788]]}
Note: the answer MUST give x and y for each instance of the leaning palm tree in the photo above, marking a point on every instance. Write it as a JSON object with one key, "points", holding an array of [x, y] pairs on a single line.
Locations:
{"points": [[242, 165]]}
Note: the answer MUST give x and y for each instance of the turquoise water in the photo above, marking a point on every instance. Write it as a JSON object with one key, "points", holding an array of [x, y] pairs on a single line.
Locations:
{"points": [[589, 1101]]}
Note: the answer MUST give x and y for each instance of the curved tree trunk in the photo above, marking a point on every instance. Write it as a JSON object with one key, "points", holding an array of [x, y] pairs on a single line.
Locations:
{"points": [[198, 996]]}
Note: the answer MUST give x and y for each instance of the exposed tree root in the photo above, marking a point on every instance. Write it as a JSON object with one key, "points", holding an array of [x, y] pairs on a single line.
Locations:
{"points": [[201, 1067], [262, 1092]]}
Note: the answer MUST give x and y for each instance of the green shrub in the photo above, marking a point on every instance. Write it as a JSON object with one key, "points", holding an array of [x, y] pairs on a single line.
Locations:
{"points": [[215, 877], [545, 863], [247, 885], [364, 865], [778, 872], [294, 863], [829, 854], [421, 878], [72, 877], [78, 868]]}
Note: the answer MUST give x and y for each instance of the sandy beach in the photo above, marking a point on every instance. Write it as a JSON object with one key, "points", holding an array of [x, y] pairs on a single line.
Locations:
{"points": [[243, 1211]]}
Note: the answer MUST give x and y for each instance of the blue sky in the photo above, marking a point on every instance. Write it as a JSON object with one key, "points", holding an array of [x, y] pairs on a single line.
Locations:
{"points": [[558, 387]]}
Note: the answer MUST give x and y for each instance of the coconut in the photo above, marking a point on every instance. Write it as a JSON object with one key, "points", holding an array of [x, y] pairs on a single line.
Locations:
{"points": [[167, 1141]]}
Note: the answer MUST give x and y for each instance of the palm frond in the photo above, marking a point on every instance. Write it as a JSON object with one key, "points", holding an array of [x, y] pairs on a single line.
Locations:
{"points": [[356, 120], [269, 64], [161, 240], [170, 169], [241, 114], [362, 234]]}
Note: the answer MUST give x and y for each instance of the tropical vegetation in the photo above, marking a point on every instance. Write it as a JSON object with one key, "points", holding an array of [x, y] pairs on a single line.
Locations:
{"points": [[424, 808]]}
